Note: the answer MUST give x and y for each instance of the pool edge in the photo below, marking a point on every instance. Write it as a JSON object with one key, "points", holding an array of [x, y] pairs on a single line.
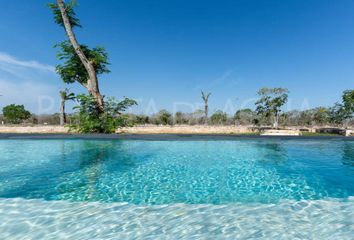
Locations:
{"points": [[166, 137]]}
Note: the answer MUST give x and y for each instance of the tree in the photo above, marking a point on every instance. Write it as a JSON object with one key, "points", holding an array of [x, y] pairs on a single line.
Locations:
{"points": [[142, 119], [205, 97], [219, 117], [196, 117], [321, 115], [65, 95], [306, 117], [348, 102], [270, 102], [15, 114], [82, 64], [164, 117], [337, 114], [340, 113], [244, 116], [180, 118]]}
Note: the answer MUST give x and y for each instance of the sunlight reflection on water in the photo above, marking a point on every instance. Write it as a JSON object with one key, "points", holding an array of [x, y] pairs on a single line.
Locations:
{"points": [[38, 219]]}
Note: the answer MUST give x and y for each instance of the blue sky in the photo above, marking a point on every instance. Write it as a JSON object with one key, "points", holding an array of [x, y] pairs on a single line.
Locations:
{"points": [[163, 53]]}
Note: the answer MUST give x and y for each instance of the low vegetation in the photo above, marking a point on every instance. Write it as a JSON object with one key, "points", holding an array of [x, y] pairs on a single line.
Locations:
{"points": [[88, 119]]}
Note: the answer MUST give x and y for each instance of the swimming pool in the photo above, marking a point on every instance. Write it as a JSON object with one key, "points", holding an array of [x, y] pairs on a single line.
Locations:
{"points": [[189, 189]]}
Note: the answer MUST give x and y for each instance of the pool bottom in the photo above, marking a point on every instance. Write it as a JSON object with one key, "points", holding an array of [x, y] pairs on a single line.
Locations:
{"points": [[39, 219]]}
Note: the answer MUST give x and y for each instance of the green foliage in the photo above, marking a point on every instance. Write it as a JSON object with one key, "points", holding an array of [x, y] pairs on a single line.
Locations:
{"points": [[90, 120], [73, 70], [341, 112], [124, 120], [348, 102], [196, 117], [164, 117], [306, 118], [15, 114], [321, 115], [284, 119], [271, 101], [142, 119], [130, 120], [338, 114], [244, 116], [219, 117], [69, 7], [180, 118], [66, 95]]}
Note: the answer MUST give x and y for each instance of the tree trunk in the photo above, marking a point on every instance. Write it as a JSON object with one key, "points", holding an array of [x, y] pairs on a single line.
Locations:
{"points": [[276, 120], [206, 110], [62, 113], [92, 82]]}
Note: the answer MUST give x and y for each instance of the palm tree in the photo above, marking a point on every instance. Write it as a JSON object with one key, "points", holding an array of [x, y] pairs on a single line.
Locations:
{"points": [[205, 98], [65, 95]]}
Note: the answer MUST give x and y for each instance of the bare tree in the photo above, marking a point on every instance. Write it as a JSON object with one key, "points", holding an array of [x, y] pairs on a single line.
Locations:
{"points": [[68, 21], [205, 97], [64, 96]]}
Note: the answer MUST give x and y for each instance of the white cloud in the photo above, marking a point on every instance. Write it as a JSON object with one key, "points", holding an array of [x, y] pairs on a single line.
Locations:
{"points": [[30, 83], [8, 60], [37, 97]]}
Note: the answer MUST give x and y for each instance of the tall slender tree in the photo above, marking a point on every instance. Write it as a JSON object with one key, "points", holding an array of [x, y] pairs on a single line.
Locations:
{"points": [[65, 95], [205, 97], [82, 63]]}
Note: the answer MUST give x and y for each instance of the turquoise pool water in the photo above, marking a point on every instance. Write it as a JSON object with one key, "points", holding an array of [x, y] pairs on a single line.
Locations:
{"points": [[134, 189], [167, 172]]}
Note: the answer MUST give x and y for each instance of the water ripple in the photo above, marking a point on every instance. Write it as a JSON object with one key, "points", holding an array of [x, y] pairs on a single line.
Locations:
{"points": [[311, 219]]}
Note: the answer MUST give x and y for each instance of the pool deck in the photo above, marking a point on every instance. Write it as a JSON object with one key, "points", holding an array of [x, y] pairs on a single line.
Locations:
{"points": [[166, 137]]}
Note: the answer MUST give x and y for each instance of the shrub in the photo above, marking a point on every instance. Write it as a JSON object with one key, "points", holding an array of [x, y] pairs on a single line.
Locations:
{"points": [[244, 116], [180, 118], [164, 117], [90, 119], [219, 117]]}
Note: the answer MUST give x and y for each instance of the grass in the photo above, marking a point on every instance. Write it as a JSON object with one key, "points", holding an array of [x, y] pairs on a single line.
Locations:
{"points": [[247, 133], [313, 134]]}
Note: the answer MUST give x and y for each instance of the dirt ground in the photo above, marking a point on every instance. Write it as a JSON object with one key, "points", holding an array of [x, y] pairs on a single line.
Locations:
{"points": [[186, 129], [147, 129], [33, 129]]}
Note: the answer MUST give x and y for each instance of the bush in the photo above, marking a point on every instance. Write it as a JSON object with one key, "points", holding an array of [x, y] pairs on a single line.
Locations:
{"points": [[321, 115], [132, 119], [180, 118], [244, 116], [219, 117], [90, 119], [15, 114], [163, 117]]}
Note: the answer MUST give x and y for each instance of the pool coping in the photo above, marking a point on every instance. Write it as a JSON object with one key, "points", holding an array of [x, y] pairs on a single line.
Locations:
{"points": [[165, 137]]}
